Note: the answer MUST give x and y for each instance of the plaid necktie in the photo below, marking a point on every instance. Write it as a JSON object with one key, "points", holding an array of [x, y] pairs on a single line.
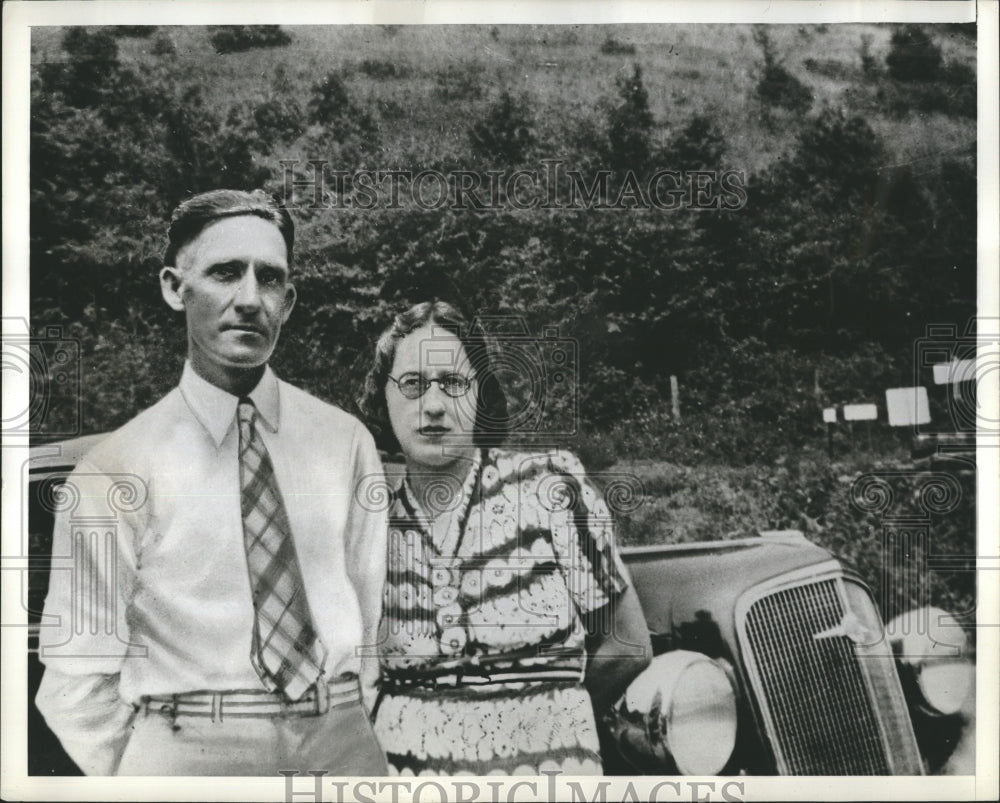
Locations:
{"points": [[286, 651]]}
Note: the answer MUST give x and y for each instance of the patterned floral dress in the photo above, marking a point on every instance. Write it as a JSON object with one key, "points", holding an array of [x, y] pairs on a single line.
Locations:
{"points": [[482, 646]]}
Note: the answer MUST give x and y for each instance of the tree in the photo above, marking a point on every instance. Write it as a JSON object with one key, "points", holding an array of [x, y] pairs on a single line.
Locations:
{"points": [[777, 86], [238, 38], [331, 106], [505, 133], [91, 69], [913, 55], [697, 146], [630, 124]]}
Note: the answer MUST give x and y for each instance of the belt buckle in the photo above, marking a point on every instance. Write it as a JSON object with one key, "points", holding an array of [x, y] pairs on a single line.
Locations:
{"points": [[322, 696], [452, 682]]}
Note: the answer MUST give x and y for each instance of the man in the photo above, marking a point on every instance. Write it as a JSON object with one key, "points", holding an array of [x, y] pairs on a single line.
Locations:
{"points": [[227, 573]]}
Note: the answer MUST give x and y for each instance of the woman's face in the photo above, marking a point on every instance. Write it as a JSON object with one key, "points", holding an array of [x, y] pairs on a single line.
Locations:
{"points": [[435, 429]]}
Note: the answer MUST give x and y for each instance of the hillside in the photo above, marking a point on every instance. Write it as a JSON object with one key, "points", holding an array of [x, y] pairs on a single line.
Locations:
{"points": [[688, 69], [853, 228], [855, 145]]}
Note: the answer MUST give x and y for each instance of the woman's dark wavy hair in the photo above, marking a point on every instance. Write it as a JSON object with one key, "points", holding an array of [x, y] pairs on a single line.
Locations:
{"points": [[490, 427]]}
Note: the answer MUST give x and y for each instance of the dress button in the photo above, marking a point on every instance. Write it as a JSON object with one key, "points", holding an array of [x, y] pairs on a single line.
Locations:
{"points": [[449, 615], [442, 576], [445, 595], [453, 640], [472, 583]]}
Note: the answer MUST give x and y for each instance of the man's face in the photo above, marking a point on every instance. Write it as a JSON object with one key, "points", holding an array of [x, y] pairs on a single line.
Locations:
{"points": [[232, 282]]}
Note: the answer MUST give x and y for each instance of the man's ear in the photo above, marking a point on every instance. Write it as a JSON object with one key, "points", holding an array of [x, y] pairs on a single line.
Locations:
{"points": [[290, 296], [171, 281]]}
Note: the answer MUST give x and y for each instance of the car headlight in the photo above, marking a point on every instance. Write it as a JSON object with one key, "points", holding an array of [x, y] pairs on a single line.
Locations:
{"points": [[687, 706], [931, 646], [945, 686]]}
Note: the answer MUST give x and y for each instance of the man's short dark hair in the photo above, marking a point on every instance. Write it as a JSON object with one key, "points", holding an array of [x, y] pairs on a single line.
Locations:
{"points": [[197, 212], [491, 423]]}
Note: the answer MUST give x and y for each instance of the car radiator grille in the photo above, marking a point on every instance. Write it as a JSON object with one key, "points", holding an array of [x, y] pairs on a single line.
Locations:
{"points": [[829, 710]]}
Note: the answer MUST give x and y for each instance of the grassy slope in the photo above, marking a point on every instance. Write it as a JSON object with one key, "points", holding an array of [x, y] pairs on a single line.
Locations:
{"points": [[687, 69]]}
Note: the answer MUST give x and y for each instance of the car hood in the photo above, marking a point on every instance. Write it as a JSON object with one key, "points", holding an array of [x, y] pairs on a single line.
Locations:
{"points": [[689, 591]]}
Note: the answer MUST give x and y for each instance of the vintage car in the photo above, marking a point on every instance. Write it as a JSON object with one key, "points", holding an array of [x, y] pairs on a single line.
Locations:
{"points": [[770, 658]]}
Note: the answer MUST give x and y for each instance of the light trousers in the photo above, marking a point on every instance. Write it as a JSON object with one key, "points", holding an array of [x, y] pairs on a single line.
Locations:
{"points": [[340, 741]]}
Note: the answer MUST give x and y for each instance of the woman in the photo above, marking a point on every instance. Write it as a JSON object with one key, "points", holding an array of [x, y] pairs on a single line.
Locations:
{"points": [[504, 586]]}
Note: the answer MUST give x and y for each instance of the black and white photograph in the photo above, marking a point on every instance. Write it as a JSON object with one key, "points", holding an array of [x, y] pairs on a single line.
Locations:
{"points": [[425, 401]]}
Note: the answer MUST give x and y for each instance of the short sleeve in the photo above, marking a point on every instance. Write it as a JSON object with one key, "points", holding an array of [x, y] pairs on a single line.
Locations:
{"points": [[583, 535]]}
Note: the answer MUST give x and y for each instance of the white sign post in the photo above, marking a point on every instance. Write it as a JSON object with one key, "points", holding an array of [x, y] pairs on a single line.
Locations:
{"points": [[951, 373], [954, 373], [829, 418], [907, 407], [861, 412]]}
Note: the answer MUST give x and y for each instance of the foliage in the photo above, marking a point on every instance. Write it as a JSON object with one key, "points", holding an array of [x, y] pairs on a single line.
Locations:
{"points": [[332, 109], [831, 68], [613, 47], [825, 277], [163, 45], [277, 119], [913, 55], [505, 133], [459, 82], [952, 92], [777, 86], [808, 492], [869, 64], [138, 31], [383, 69], [630, 124], [699, 145], [91, 69], [239, 38]]}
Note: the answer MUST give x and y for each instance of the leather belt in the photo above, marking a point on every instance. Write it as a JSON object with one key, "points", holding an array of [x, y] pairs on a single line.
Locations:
{"points": [[220, 705], [459, 679]]}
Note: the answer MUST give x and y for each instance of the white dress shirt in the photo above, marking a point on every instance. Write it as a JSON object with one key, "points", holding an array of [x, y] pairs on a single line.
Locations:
{"points": [[160, 601]]}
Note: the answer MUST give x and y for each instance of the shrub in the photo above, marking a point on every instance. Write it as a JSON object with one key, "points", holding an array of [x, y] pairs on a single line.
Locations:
{"points": [[138, 31], [505, 133], [841, 151], [272, 121], [329, 99], [913, 55], [613, 47], [777, 86], [961, 79], [697, 146], [89, 74], [596, 450], [953, 93], [869, 64], [381, 69], [831, 68], [163, 45], [331, 107], [630, 124], [459, 82], [238, 38]]}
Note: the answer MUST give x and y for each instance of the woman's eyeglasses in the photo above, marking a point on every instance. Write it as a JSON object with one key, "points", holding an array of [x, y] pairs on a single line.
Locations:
{"points": [[413, 385]]}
